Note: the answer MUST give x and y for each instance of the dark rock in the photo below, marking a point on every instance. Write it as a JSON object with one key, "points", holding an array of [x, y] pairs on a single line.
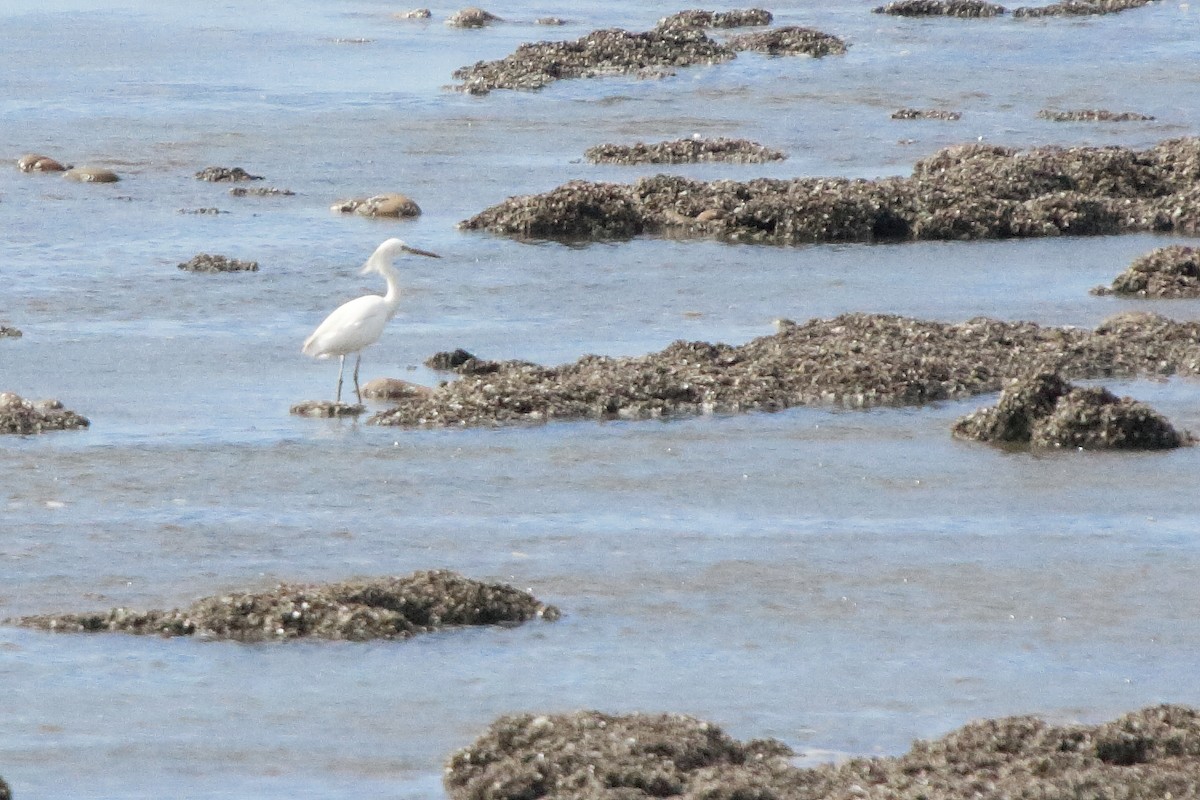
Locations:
{"points": [[5, 792], [325, 408], [684, 151], [471, 18], [221, 174], [941, 8], [1047, 412], [963, 192], [1145, 755], [1167, 272], [926, 113], [448, 360], [1092, 115], [205, 262], [855, 360], [603, 52], [9, 332], [791, 40], [1079, 8], [21, 416], [35, 162], [737, 18], [382, 608]]}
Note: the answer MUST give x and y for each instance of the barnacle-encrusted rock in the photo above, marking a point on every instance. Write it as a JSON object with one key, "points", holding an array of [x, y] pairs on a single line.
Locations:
{"points": [[789, 40], [972, 191], [684, 151], [471, 18], [206, 262], [35, 162], [222, 174], [8, 331], [1092, 115], [357, 610], [926, 113], [91, 175], [1167, 272], [856, 360], [1144, 755], [389, 204], [260, 191], [5, 793], [21, 416], [462, 362], [326, 408], [1077, 8], [415, 13], [603, 52], [941, 8], [736, 18], [1045, 411]]}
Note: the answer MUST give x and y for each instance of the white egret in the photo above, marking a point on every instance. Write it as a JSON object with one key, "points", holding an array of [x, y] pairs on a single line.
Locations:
{"points": [[358, 323]]}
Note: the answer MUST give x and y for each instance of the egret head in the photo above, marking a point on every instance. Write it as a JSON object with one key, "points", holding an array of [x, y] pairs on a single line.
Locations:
{"points": [[389, 251]]}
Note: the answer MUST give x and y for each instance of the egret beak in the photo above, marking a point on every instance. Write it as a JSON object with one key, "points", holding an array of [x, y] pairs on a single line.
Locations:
{"points": [[417, 252]]}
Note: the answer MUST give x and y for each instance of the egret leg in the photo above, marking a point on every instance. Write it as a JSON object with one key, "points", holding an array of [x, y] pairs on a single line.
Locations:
{"points": [[357, 391], [341, 366]]}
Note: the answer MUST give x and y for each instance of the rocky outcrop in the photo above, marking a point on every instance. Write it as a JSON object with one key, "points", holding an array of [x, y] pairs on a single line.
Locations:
{"points": [[21, 416], [684, 151], [206, 262], [1166, 272]]}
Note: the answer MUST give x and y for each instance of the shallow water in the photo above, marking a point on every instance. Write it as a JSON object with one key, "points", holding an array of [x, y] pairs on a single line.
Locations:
{"points": [[844, 581]]}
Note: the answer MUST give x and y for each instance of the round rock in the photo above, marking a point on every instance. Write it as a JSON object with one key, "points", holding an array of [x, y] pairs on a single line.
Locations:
{"points": [[91, 175], [33, 162]]}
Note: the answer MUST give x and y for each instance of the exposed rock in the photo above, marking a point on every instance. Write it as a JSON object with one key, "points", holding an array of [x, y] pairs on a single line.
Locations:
{"points": [[381, 205], [205, 262], [382, 608], [34, 162], [260, 191], [603, 52], [1167, 272], [462, 362], [5, 792], [941, 8], [222, 174], [471, 18], [737, 18], [790, 40], [1045, 411], [393, 389], [210, 210], [91, 175], [684, 151], [416, 13], [21, 416], [550, 21], [970, 191], [1076, 8], [326, 408], [1092, 115], [1145, 755], [855, 360], [926, 113], [9, 332]]}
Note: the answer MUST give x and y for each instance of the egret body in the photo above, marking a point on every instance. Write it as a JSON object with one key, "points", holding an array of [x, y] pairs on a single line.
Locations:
{"points": [[358, 323]]}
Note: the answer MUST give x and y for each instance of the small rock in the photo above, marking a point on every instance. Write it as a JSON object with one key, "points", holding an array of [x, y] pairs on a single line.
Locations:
{"points": [[91, 175], [550, 21], [941, 8], [393, 389], [33, 162], [738, 18], [204, 262], [9, 332], [210, 210], [926, 113], [220, 174], [790, 40], [416, 13], [684, 151], [1093, 115], [380, 205], [21, 416], [1167, 272], [462, 362], [260, 191], [472, 18], [325, 408]]}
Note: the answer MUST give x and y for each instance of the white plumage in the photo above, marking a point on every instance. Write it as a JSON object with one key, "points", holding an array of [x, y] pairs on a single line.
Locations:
{"points": [[356, 324]]}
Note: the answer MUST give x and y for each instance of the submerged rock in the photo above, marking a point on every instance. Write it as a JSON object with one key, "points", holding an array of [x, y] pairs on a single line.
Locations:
{"points": [[205, 262], [1144, 755], [91, 175], [326, 408], [791, 40], [9, 332], [1078, 8], [416, 13], [358, 610], [603, 52], [941, 8], [260, 191], [1045, 411], [35, 162], [972, 191], [223, 174], [855, 360], [684, 151], [21, 416], [926, 113], [471, 18], [389, 204], [1092, 115], [1166, 272], [736, 18]]}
